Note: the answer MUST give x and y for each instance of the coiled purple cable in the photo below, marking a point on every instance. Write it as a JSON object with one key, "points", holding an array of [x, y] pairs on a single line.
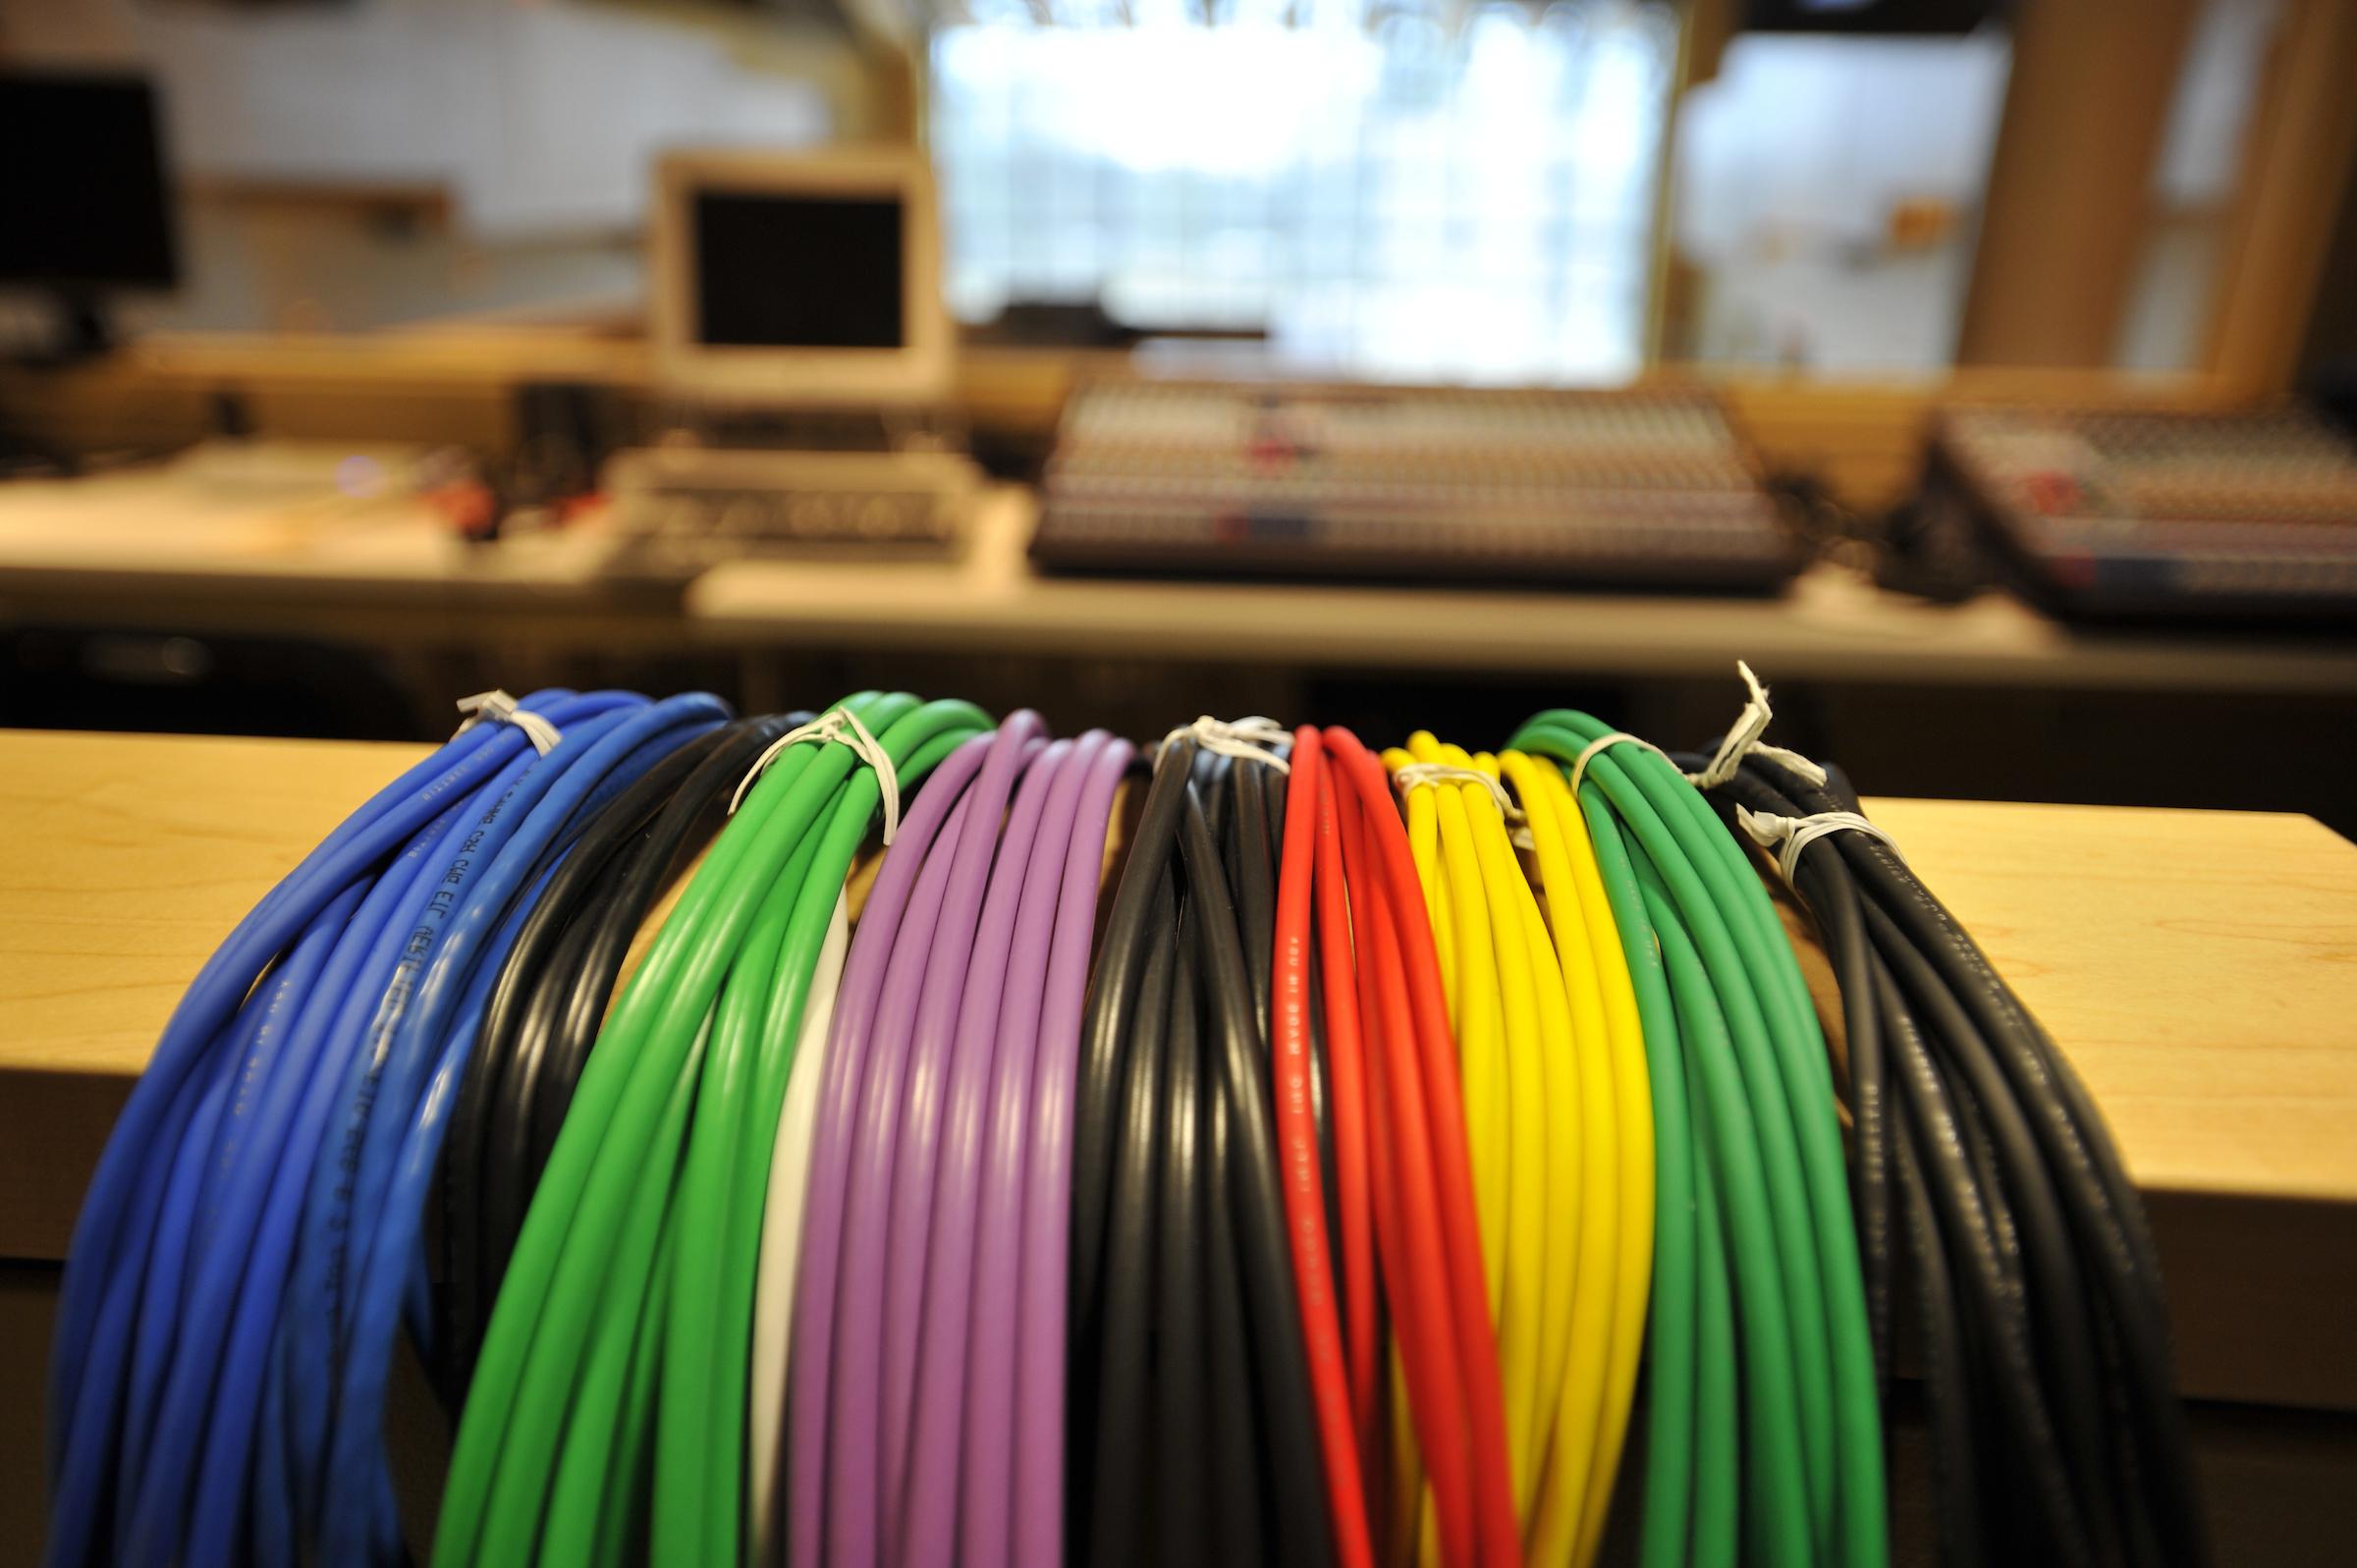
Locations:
{"points": [[863, 1420], [863, 1005], [1003, 979]]}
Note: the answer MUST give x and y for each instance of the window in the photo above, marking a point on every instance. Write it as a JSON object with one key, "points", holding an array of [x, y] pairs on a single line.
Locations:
{"points": [[1384, 193]]}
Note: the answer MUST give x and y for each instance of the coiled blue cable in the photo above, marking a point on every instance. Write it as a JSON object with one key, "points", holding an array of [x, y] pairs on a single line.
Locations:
{"points": [[123, 1277], [575, 779], [220, 1393], [356, 1460], [218, 991], [201, 1376], [211, 1137]]}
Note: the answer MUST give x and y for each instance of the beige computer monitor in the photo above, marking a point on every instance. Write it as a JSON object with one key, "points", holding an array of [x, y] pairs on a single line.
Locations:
{"points": [[799, 280]]}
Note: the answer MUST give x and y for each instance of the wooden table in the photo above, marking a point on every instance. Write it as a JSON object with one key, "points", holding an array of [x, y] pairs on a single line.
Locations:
{"points": [[2198, 968]]}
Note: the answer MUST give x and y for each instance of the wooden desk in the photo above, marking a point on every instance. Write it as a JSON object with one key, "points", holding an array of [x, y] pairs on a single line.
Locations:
{"points": [[153, 547]]}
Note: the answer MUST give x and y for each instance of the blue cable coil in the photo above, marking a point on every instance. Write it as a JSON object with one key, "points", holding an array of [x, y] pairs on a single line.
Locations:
{"points": [[252, 1242]]}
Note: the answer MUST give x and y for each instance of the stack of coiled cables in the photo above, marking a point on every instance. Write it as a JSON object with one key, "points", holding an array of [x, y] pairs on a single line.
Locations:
{"points": [[1247, 1147], [2044, 1330]]}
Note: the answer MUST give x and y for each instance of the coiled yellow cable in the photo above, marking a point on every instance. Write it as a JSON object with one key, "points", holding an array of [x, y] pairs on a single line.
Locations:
{"points": [[1544, 1111], [1616, 1222], [1529, 1230], [1633, 1094], [1503, 1050]]}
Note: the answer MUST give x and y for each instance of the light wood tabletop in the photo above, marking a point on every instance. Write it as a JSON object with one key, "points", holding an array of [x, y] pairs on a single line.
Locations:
{"points": [[2200, 969]]}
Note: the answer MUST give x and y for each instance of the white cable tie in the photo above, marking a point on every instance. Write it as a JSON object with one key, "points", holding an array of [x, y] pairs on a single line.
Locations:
{"points": [[1579, 763], [829, 726], [1517, 825], [498, 708], [1789, 836], [1251, 738], [1744, 738], [1415, 773]]}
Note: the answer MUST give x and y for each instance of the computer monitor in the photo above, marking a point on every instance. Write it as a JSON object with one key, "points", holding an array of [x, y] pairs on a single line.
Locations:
{"points": [[85, 206], [802, 280]]}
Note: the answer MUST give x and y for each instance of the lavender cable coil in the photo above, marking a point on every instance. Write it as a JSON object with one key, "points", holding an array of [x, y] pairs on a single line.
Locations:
{"points": [[1039, 1368], [997, 1021], [1046, 924], [862, 1000], [864, 1422]]}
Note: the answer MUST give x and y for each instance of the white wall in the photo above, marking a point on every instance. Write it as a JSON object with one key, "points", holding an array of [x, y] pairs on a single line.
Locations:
{"points": [[537, 118]]}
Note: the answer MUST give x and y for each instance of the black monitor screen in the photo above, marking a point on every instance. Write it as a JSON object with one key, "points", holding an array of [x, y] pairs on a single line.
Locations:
{"points": [[83, 199], [798, 272]]}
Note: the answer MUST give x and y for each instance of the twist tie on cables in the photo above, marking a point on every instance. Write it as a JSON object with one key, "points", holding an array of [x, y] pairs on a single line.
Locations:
{"points": [[1789, 836], [1744, 739], [498, 708], [1416, 773], [831, 727], [1579, 763], [1252, 738]]}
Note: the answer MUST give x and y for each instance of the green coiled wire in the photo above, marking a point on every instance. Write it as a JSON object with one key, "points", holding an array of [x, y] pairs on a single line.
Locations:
{"points": [[631, 1293], [1764, 1142]]}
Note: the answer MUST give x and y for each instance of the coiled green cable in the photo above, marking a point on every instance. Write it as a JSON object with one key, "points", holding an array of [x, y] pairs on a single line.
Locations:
{"points": [[1681, 1260], [568, 1382], [699, 1478], [1769, 1113]]}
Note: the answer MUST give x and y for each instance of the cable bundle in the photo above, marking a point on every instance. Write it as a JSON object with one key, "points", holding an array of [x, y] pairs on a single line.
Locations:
{"points": [[1319, 1206], [608, 1413], [1766, 1280], [547, 1005], [1557, 1101], [927, 1319], [254, 1225], [2045, 1331], [1191, 1433]]}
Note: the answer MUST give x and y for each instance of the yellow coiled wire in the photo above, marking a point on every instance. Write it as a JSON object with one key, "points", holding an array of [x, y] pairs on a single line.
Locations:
{"points": [[1616, 1229], [1512, 1100]]}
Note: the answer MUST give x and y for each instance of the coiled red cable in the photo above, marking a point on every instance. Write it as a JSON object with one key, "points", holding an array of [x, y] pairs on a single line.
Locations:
{"points": [[1416, 1285], [1347, 1091], [1304, 1185], [1415, 1006]]}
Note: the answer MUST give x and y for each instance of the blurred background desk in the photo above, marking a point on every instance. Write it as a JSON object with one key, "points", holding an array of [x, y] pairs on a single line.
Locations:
{"points": [[139, 599], [1831, 625], [146, 599]]}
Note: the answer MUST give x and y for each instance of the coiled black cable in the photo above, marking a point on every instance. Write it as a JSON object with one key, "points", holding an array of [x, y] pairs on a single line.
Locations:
{"points": [[2045, 1340], [1115, 1493], [1297, 1501], [1181, 1389], [545, 1066], [546, 1007], [1191, 1419]]}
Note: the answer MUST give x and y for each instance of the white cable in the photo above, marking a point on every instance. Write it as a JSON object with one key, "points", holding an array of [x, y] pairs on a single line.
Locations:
{"points": [[498, 708], [1744, 739], [1789, 836], [1250, 739], [782, 1238], [830, 727]]}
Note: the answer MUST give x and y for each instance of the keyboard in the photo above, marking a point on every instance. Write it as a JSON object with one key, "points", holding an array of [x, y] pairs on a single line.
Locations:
{"points": [[693, 505]]}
